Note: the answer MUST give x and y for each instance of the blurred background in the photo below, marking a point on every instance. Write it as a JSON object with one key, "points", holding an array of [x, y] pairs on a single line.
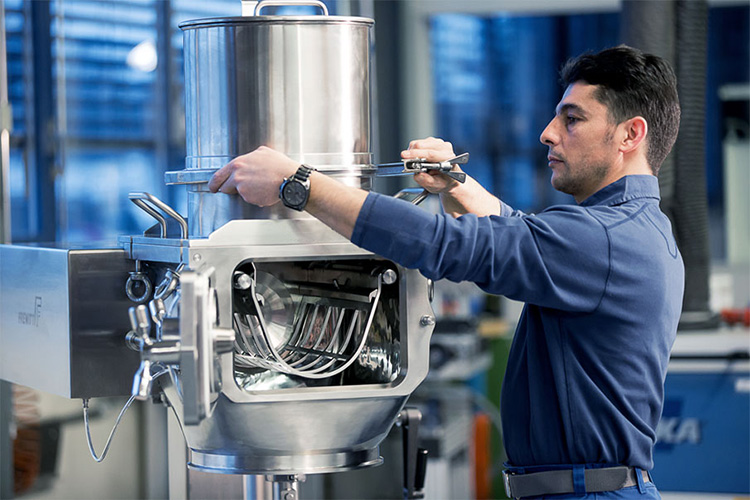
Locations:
{"points": [[96, 110]]}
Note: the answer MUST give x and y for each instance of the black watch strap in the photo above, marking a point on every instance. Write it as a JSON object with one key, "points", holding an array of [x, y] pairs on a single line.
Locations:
{"points": [[303, 173], [295, 190]]}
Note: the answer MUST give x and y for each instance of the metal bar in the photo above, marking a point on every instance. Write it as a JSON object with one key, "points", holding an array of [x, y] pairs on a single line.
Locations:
{"points": [[44, 125], [322, 352], [153, 213], [156, 202], [6, 121], [241, 340], [262, 345], [314, 348], [319, 353], [164, 84], [355, 320], [297, 333]]}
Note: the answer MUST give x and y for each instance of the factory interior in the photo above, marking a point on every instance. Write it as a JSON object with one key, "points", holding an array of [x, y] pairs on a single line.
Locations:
{"points": [[151, 331]]}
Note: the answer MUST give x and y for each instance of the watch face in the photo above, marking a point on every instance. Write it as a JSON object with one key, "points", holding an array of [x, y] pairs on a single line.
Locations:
{"points": [[294, 193]]}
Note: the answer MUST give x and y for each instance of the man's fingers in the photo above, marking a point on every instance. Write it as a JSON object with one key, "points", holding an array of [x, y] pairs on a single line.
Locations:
{"points": [[219, 178], [228, 187], [427, 154]]}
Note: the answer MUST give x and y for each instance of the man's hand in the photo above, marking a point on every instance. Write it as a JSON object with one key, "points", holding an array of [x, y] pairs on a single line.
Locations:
{"points": [[457, 199], [255, 176], [435, 150]]}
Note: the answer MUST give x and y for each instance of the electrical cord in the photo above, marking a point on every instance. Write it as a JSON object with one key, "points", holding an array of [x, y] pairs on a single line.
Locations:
{"points": [[99, 459]]}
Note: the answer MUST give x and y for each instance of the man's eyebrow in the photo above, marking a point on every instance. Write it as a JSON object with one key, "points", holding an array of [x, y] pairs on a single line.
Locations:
{"points": [[568, 106]]}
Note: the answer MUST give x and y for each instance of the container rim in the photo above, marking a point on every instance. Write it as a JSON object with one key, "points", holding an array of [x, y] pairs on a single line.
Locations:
{"points": [[240, 20]]}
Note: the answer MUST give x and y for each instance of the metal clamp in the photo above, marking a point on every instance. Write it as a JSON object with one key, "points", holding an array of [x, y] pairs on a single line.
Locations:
{"points": [[149, 204], [421, 195], [415, 165], [282, 3]]}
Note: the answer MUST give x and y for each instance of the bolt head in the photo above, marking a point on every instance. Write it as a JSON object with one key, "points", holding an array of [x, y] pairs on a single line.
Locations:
{"points": [[389, 276], [427, 320]]}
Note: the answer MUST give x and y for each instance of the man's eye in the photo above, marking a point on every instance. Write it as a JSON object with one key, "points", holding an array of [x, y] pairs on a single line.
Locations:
{"points": [[570, 120]]}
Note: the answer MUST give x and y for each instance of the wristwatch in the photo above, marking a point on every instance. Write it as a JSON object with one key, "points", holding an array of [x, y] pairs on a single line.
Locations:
{"points": [[295, 190]]}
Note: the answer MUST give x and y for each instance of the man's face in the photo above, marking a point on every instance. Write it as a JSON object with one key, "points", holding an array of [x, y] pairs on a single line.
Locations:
{"points": [[581, 143]]}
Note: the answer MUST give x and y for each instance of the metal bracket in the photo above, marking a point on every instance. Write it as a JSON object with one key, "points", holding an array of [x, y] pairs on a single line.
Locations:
{"points": [[415, 458]]}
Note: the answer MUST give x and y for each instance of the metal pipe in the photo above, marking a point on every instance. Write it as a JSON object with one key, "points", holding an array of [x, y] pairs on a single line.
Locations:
{"points": [[677, 31]]}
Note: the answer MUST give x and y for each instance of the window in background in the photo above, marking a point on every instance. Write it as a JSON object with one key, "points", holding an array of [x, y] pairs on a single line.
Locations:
{"points": [[496, 88], [19, 181], [105, 90], [728, 132], [113, 121]]}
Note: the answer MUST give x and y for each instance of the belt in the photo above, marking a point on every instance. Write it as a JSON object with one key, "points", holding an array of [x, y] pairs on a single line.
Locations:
{"points": [[557, 482]]}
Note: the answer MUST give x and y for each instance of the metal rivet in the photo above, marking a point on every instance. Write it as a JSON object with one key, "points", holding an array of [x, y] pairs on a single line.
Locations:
{"points": [[426, 320], [242, 281], [389, 276]]}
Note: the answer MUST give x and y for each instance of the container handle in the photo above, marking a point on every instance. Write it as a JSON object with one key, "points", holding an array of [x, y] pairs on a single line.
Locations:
{"points": [[289, 3]]}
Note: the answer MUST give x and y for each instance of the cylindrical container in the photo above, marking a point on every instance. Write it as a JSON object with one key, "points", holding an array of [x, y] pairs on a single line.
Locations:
{"points": [[300, 85]]}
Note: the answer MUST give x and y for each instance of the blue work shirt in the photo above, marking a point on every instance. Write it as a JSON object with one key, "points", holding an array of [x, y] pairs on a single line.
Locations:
{"points": [[603, 284]]}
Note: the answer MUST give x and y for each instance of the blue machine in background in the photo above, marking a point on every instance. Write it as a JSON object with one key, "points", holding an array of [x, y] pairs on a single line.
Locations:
{"points": [[703, 439]]}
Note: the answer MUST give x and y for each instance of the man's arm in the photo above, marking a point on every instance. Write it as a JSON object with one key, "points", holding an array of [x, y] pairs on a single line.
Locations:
{"points": [[257, 176], [457, 198], [524, 258]]}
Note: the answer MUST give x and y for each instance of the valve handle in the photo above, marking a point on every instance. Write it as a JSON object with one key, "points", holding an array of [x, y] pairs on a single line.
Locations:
{"points": [[282, 3]]}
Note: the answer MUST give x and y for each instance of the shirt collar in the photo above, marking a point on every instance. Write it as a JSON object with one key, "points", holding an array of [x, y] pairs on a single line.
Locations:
{"points": [[625, 189]]}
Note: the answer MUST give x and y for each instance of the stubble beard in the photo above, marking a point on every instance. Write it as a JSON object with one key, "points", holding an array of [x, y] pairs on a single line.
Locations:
{"points": [[576, 184], [585, 178]]}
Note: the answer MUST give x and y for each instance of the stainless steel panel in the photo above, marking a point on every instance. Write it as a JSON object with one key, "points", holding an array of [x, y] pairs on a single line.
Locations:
{"points": [[63, 314], [300, 85], [274, 424], [289, 437]]}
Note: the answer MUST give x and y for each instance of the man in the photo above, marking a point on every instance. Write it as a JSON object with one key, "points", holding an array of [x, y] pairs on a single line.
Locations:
{"points": [[602, 280]]}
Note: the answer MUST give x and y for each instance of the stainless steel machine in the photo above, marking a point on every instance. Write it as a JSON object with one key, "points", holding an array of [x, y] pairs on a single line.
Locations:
{"points": [[283, 348]]}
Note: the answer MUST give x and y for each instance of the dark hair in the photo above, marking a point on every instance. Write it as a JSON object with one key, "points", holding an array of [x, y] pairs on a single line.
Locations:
{"points": [[631, 83]]}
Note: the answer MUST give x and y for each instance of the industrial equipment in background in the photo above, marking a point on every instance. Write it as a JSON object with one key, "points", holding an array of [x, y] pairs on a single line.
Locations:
{"points": [[282, 348], [703, 440]]}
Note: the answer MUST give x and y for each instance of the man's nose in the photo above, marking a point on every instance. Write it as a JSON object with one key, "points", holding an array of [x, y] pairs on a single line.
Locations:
{"points": [[548, 137]]}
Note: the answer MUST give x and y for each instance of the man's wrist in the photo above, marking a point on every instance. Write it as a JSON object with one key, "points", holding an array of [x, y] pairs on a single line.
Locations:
{"points": [[294, 191]]}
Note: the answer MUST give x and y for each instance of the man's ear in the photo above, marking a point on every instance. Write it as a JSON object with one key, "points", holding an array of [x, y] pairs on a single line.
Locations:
{"points": [[635, 129]]}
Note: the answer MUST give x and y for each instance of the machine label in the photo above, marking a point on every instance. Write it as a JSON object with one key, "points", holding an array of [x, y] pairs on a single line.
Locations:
{"points": [[31, 318]]}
